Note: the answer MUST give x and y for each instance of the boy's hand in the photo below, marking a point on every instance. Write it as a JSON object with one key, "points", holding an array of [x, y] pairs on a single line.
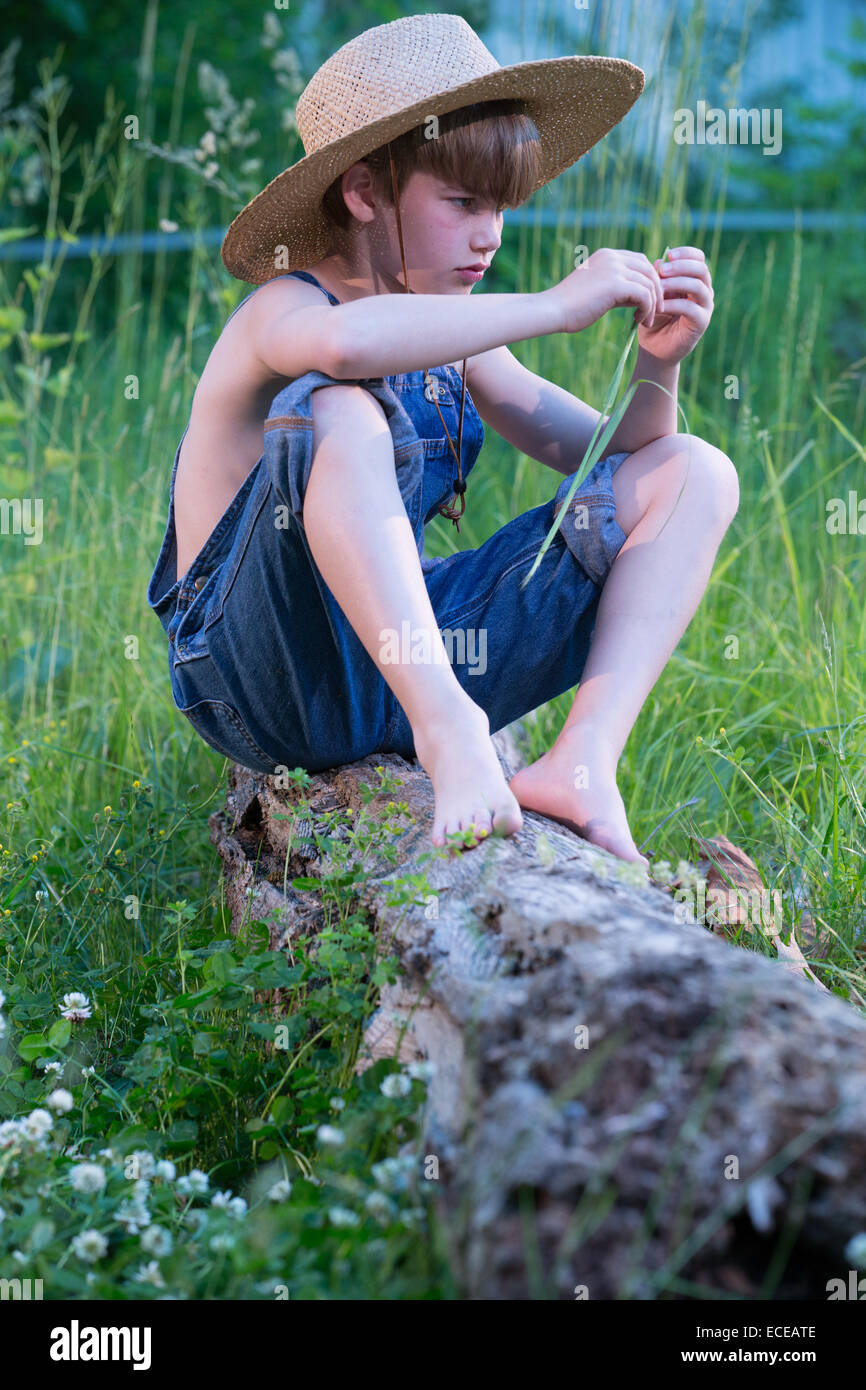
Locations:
{"points": [[688, 306], [608, 279]]}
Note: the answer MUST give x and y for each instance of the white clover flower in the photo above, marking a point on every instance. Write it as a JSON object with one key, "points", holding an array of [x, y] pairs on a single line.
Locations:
{"points": [[329, 1134], [337, 1103], [379, 1206], [76, 1006], [391, 1174], [149, 1274], [88, 1071], [343, 1216], [238, 1207], [61, 1101], [10, 1133], [52, 1066], [395, 1085], [89, 1246], [166, 1170], [133, 1216], [855, 1250], [422, 1071], [140, 1191], [156, 1240], [109, 1155], [280, 1190], [194, 1183], [223, 1240], [37, 1124], [143, 1163], [87, 1177], [222, 1200]]}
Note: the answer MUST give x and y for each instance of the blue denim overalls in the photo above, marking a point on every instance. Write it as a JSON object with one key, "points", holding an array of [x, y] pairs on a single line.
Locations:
{"points": [[262, 660]]}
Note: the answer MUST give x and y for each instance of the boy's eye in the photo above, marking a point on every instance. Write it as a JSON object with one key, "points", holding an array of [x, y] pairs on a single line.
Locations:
{"points": [[463, 200]]}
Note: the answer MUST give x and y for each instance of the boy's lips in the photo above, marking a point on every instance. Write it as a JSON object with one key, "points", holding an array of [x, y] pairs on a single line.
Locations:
{"points": [[479, 265]]}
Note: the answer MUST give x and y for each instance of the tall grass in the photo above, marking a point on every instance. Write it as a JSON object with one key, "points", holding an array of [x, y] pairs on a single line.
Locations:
{"points": [[754, 730]]}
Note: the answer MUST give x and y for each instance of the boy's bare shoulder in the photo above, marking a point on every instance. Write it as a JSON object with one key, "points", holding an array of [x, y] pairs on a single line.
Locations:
{"points": [[259, 347]]}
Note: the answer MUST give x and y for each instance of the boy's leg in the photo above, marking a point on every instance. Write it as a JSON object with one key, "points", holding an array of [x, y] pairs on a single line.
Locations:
{"points": [[648, 599], [362, 542]]}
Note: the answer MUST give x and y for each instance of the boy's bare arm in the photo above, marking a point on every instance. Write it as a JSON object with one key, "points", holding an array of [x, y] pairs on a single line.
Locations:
{"points": [[383, 334]]}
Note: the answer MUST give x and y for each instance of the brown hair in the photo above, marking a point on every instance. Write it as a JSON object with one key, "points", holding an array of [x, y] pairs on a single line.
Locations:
{"points": [[490, 148]]}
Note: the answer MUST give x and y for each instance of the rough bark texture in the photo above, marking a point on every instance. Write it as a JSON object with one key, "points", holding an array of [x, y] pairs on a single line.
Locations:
{"points": [[621, 1100]]}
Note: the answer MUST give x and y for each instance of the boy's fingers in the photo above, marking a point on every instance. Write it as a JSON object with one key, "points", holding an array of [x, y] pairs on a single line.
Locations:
{"points": [[687, 251]]}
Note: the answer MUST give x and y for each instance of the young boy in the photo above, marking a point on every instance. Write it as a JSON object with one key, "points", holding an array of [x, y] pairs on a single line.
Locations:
{"points": [[285, 575]]}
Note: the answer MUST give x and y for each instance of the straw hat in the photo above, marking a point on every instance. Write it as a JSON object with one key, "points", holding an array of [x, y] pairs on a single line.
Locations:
{"points": [[390, 79]]}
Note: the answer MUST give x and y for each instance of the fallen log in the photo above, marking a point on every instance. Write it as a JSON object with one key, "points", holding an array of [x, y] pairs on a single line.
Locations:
{"points": [[623, 1104]]}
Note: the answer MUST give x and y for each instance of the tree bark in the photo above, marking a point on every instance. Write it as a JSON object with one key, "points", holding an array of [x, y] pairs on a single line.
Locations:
{"points": [[621, 1099]]}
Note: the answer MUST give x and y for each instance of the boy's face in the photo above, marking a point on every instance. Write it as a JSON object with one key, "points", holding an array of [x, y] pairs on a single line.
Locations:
{"points": [[445, 227]]}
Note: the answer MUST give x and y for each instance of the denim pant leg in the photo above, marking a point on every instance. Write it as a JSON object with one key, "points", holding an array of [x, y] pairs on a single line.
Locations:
{"points": [[513, 646]]}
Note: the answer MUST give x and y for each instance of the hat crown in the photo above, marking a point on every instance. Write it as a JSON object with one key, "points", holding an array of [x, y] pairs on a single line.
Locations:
{"points": [[386, 69]]}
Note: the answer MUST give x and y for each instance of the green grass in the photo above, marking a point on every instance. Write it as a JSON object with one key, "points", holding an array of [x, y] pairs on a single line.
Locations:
{"points": [[754, 731]]}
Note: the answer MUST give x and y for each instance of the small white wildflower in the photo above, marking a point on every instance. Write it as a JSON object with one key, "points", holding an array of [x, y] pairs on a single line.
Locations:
{"points": [[166, 1170], [166, 225], [422, 1071], [149, 1274], [133, 1216], [391, 1174], [210, 169], [140, 1164], [88, 1071], [87, 1177], [280, 1190], [222, 1199], [208, 142], [61, 1101], [379, 1206], [89, 1246], [19, 1257], [223, 1240], [140, 1190], [52, 1066], [37, 1124], [156, 1240], [238, 1207], [76, 1006], [40, 894], [195, 1218], [109, 1155], [10, 1133], [329, 1134], [337, 1103], [395, 1085], [193, 1183], [343, 1216]]}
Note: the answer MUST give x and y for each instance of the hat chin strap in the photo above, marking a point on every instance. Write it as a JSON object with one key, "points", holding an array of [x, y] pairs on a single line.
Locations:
{"points": [[459, 482]]}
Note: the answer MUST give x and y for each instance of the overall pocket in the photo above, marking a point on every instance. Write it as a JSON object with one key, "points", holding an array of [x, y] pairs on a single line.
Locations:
{"points": [[222, 729]]}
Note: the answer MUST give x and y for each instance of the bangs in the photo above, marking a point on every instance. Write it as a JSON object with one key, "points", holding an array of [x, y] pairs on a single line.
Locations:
{"points": [[491, 149]]}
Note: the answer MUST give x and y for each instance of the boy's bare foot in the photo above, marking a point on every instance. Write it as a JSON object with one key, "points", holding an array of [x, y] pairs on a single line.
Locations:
{"points": [[469, 784], [575, 783]]}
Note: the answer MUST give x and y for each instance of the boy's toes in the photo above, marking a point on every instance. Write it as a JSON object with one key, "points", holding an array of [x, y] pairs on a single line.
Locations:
{"points": [[507, 818]]}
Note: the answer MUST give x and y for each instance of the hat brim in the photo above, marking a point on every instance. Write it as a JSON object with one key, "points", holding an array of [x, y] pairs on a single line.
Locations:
{"points": [[573, 101]]}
